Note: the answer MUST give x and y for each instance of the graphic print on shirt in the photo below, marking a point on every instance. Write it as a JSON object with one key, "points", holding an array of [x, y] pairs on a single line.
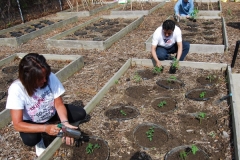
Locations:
{"points": [[41, 107], [168, 41]]}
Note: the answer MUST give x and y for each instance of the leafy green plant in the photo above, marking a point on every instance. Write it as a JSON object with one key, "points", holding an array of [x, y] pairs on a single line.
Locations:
{"points": [[184, 154], [90, 147], [175, 63], [157, 70], [193, 15], [123, 113], [200, 116], [149, 133], [171, 79], [137, 78], [162, 103], [202, 94]]}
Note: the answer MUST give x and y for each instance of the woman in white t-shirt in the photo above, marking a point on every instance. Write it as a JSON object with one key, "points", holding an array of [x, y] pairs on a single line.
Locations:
{"points": [[34, 100], [167, 39]]}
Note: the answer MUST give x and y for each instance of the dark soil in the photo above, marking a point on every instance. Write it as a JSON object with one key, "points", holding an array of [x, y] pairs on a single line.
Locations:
{"points": [[122, 112], [207, 80], [99, 30], [138, 92], [207, 6], [201, 94], [170, 104], [170, 83]]}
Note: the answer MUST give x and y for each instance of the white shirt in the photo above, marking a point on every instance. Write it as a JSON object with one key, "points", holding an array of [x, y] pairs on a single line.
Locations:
{"points": [[159, 39], [39, 107]]}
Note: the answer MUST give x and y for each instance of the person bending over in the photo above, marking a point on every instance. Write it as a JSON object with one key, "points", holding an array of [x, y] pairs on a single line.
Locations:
{"points": [[34, 100], [183, 8], [167, 39]]}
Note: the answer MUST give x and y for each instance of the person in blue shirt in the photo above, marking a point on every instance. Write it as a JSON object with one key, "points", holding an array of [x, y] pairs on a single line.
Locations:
{"points": [[183, 8]]}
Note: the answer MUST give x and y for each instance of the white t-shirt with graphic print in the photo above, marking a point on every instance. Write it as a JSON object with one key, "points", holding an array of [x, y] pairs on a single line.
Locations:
{"points": [[38, 108], [159, 38]]}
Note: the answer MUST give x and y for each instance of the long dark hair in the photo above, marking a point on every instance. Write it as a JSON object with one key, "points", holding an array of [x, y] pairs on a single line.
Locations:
{"points": [[30, 71]]}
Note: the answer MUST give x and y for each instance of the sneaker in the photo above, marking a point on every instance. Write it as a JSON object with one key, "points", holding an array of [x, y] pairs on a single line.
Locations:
{"points": [[40, 147]]}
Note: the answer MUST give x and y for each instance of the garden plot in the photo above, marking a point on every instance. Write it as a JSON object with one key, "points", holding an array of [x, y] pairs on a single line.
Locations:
{"points": [[86, 10], [64, 66], [22, 33], [208, 8], [205, 35], [98, 33], [194, 123], [137, 8]]}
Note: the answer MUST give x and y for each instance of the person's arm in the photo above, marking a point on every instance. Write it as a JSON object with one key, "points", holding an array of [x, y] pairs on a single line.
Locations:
{"points": [[21, 126], [154, 55], [176, 7], [191, 7]]}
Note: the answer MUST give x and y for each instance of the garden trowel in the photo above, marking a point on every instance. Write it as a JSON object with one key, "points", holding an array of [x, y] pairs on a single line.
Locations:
{"points": [[222, 99]]}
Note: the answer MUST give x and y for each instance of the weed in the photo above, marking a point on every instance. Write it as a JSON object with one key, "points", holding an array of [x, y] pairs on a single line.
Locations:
{"points": [[123, 113], [202, 94], [210, 77], [150, 133], [116, 81], [229, 12], [90, 147], [162, 103]]}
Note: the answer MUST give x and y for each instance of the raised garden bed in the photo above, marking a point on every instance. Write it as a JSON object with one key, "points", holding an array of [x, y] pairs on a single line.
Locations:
{"points": [[86, 10], [205, 35], [211, 8], [137, 8], [22, 33], [65, 65], [216, 135], [99, 33]]}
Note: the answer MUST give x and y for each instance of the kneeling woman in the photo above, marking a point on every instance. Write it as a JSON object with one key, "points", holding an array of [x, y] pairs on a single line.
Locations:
{"points": [[34, 102]]}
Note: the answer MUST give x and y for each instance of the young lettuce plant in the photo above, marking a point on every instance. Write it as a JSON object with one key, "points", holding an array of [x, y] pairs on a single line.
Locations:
{"points": [[161, 104], [149, 133], [202, 94], [90, 147], [183, 154]]}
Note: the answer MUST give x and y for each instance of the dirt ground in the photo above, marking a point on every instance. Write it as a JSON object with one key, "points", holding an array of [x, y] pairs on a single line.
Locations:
{"points": [[100, 66]]}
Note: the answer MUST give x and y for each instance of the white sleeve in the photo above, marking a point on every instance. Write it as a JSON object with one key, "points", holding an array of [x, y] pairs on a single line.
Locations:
{"points": [[156, 37], [15, 99], [55, 86], [178, 34]]}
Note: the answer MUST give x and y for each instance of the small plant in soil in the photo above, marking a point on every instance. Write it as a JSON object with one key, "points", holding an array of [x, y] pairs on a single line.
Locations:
{"points": [[212, 134], [202, 94], [116, 81], [157, 70], [123, 113], [193, 15], [149, 133], [90, 147], [183, 154], [201, 116], [171, 79], [174, 65], [137, 78], [161, 104], [210, 77]]}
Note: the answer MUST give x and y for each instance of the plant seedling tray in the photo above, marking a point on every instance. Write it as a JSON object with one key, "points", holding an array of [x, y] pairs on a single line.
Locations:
{"points": [[210, 12], [63, 74], [203, 48], [16, 41], [86, 13], [56, 41], [120, 11], [93, 103]]}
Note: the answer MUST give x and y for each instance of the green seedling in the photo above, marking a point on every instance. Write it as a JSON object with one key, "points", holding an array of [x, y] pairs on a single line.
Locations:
{"points": [[157, 70], [116, 82], [193, 15], [123, 113], [150, 133], [212, 134], [90, 147], [184, 154], [162, 103], [210, 77], [137, 78], [171, 79], [202, 94], [175, 63], [229, 12], [200, 116]]}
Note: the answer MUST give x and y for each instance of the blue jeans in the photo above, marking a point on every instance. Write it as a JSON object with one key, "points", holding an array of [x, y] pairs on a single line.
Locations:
{"points": [[163, 53]]}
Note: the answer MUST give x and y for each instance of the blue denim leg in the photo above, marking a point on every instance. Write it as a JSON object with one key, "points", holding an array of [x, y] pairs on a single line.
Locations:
{"points": [[186, 47], [162, 53]]}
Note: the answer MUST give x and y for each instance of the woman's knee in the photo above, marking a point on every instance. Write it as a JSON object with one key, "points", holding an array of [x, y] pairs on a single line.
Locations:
{"points": [[30, 139]]}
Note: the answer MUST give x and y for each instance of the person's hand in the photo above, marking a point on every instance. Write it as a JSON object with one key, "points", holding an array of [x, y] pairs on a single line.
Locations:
{"points": [[158, 63], [68, 140], [52, 129], [188, 16]]}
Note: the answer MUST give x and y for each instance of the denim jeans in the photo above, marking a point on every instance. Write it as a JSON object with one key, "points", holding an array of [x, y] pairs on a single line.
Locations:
{"points": [[163, 53]]}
